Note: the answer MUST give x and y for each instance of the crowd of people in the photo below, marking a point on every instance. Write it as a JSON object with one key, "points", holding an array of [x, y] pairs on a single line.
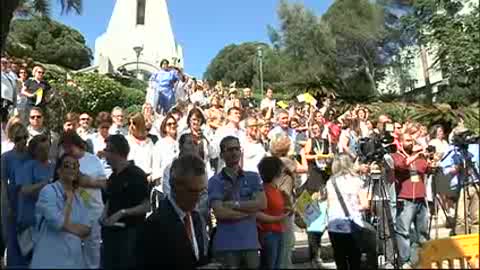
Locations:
{"points": [[207, 176]]}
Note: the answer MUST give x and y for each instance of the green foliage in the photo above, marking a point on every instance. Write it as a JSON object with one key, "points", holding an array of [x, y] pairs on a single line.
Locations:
{"points": [[308, 48], [131, 82], [48, 41], [427, 114], [451, 29], [235, 63], [93, 93]]}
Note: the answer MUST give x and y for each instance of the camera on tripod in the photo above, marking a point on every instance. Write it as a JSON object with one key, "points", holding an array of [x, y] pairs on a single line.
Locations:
{"points": [[374, 148], [464, 138]]}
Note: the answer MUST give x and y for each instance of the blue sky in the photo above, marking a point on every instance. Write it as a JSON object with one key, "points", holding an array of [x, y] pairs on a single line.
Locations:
{"points": [[203, 28]]}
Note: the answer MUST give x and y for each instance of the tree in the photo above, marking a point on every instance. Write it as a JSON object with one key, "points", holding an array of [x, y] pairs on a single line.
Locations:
{"points": [[450, 29], [42, 7], [307, 48], [48, 41], [235, 63], [359, 29]]}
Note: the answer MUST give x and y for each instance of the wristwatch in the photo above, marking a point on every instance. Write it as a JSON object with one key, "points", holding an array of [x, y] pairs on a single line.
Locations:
{"points": [[123, 212]]}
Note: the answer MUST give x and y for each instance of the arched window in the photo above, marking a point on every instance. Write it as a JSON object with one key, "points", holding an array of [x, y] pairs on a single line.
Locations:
{"points": [[141, 12]]}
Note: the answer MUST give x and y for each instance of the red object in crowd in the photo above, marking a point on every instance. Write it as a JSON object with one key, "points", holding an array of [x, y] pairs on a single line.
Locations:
{"points": [[334, 131]]}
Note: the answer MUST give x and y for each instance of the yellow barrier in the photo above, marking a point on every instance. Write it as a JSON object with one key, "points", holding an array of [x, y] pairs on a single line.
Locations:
{"points": [[457, 252]]}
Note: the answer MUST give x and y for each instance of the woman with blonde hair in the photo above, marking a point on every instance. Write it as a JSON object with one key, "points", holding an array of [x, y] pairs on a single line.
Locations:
{"points": [[152, 122], [7, 143], [141, 146], [280, 147], [346, 198]]}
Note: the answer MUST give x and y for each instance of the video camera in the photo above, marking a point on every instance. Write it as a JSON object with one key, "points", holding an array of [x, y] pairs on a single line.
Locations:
{"points": [[463, 139], [374, 148]]}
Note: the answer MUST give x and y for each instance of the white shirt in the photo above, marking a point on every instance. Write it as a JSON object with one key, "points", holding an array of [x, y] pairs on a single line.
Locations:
{"points": [[252, 154], [7, 146], [164, 151], [199, 97], [267, 103], [141, 152], [91, 166], [441, 146], [223, 132], [99, 144], [9, 86], [114, 129], [349, 187], [182, 216]]}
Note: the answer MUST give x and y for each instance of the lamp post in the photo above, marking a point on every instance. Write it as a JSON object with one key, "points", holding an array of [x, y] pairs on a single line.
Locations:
{"points": [[260, 66], [138, 50]]}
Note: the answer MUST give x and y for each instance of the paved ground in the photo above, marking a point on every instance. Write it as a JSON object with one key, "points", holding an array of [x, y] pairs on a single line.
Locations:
{"points": [[300, 255]]}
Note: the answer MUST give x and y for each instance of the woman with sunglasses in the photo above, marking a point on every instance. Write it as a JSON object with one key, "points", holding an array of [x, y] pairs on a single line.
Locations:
{"points": [[11, 162], [21, 99], [195, 122], [62, 220], [166, 148], [35, 89], [91, 181]]}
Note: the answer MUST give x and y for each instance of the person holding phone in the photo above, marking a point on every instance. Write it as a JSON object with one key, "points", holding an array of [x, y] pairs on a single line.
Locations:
{"points": [[62, 220]]}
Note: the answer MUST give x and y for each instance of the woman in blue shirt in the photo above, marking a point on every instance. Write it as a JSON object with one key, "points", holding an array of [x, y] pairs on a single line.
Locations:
{"points": [[10, 162], [61, 220], [30, 179], [162, 83]]}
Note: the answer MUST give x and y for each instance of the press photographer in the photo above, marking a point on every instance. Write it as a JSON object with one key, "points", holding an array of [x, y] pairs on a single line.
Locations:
{"points": [[376, 164], [410, 167], [461, 165]]}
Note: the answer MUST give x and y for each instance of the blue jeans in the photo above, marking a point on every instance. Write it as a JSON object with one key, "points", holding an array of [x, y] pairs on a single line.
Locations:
{"points": [[408, 212], [270, 254]]}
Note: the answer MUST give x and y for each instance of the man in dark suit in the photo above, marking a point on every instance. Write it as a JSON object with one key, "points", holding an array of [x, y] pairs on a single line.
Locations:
{"points": [[175, 235]]}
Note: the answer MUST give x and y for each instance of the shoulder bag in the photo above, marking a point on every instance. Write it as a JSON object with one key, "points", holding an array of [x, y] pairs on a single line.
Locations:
{"points": [[364, 235]]}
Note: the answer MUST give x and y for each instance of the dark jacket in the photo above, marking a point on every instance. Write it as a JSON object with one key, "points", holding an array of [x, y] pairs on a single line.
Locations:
{"points": [[163, 241]]}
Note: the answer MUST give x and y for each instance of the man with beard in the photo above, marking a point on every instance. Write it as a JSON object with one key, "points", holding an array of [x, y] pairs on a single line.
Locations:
{"points": [[410, 171]]}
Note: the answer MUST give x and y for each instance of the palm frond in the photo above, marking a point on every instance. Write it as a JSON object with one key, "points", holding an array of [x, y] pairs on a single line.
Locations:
{"points": [[71, 5], [42, 7]]}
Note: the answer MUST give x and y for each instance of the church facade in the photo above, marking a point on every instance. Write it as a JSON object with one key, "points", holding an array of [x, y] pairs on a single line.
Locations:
{"points": [[137, 28]]}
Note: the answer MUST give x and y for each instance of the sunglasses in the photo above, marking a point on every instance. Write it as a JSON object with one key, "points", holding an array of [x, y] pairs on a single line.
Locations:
{"points": [[171, 124], [35, 117]]}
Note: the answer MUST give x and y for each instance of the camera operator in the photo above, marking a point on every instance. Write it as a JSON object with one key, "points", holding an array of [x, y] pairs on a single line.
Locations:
{"points": [[379, 180], [463, 145], [410, 170]]}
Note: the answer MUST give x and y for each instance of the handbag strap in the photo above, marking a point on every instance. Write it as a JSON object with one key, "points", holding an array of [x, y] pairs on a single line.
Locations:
{"points": [[340, 198]]}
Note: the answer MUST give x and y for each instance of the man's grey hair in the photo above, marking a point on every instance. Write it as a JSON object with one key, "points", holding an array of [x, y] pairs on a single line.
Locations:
{"points": [[185, 166], [280, 112], [117, 108]]}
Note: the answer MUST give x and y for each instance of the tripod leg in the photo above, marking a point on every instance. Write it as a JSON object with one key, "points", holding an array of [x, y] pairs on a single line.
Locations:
{"points": [[465, 209]]}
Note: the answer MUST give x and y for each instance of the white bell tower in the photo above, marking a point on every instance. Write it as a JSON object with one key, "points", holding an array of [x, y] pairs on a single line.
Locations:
{"points": [[138, 24]]}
